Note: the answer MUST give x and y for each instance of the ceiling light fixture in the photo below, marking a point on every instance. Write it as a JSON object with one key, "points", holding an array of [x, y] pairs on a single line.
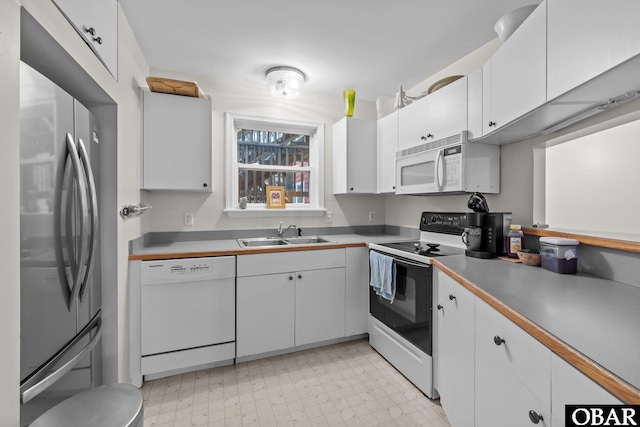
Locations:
{"points": [[284, 82]]}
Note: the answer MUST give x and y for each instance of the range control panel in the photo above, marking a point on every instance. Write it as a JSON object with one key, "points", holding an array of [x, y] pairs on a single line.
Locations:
{"points": [[187, 269], [443, 222]]}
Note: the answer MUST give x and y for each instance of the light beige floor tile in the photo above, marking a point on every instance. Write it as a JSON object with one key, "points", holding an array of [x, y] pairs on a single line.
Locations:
{"points": [[346, 384]]}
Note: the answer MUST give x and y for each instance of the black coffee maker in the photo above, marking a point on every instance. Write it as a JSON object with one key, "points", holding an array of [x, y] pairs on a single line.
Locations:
{"points": [[485, 232]]}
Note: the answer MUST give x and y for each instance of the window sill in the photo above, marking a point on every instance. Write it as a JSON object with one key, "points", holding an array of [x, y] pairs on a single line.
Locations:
{"points": [[256, 213]]}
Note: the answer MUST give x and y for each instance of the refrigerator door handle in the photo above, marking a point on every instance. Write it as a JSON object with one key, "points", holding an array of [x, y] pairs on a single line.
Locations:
{"points": [[69, 292], [93, 200], [42, 379], [83, 216]]}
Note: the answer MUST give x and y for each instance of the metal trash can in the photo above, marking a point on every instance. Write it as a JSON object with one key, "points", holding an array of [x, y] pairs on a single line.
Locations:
{"points": [[114, 405]]}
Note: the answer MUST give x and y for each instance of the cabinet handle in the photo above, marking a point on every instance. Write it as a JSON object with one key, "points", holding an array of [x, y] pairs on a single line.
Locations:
{"points": [[290, 277], [492, 124], [98, 40], [497, 340], [90, 30], [205, 185], [535, 417], [439, 306], [451, 297], [299, 276], [429, 135], [351, 189]]}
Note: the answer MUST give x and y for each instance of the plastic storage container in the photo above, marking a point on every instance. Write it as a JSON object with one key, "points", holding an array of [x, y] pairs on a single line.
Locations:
{"points": [[559, 255]]}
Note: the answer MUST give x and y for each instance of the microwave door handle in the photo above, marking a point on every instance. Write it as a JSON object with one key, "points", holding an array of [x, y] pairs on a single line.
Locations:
{"points": [[439, 170], [93, 224]]}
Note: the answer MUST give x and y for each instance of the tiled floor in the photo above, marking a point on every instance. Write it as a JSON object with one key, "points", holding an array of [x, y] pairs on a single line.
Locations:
{"points": [[346, 384]]}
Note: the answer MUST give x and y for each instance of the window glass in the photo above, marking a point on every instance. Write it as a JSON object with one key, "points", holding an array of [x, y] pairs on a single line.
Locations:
{"points": [[269, 152]]}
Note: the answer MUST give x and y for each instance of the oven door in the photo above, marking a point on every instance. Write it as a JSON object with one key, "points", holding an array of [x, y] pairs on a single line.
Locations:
{"points": [[410, 313]]}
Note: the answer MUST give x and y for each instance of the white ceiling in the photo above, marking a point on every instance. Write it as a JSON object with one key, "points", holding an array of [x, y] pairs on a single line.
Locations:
{"points": [[373, 46]]}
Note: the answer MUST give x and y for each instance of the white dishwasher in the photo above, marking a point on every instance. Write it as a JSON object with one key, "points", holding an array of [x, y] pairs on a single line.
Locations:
{"points": [[187, 314]]}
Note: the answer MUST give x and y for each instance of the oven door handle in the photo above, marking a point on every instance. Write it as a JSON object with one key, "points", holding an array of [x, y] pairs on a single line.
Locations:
{"points": [[411, 264]]}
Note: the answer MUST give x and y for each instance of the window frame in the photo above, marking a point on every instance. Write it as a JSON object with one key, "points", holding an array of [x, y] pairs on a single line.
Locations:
{"points": [[316, 160]]}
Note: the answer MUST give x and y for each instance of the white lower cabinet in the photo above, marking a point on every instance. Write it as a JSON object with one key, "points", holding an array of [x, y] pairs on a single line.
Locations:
{"points": [[569, 386], [279, 308], [357, 290], [319, 305], [501, 398], [265, 319], [455, 346]]}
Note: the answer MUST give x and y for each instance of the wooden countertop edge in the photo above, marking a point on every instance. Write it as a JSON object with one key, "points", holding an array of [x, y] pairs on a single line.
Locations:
{"points": [[604, 242], [239, 251], [615, 385]]}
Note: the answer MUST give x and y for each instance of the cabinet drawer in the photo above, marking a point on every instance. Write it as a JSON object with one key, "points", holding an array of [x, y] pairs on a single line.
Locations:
{"points": [[282, 262], [571, 387], [524, 355], [453, 295], [502, 399]]}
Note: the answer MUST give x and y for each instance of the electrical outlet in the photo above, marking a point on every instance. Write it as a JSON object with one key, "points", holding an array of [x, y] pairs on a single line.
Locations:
{"points": [[372, 216], [188, 218], [329, 216]]}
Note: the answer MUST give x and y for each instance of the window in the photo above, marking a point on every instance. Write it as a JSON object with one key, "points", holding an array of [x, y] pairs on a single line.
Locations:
{"points": [[263, 152]]}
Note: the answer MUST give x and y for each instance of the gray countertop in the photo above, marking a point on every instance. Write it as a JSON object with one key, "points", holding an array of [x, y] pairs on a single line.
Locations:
{"points": [[187, 247], [599, 318]]}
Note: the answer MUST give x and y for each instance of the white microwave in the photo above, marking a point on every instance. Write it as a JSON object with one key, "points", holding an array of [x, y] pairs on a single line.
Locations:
{"points": [[448, 165]]}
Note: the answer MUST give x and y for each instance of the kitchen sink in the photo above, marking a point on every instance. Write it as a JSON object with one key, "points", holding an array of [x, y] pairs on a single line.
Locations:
{"points": [[277, 241], [262, 241], [307, 240]]}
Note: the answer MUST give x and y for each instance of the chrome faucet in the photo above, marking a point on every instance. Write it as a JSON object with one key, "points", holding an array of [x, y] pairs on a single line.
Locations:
{"points": [[281, 231]]}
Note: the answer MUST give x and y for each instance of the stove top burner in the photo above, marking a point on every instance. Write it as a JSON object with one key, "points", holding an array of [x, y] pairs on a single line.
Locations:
{"points": [[424, 248]]}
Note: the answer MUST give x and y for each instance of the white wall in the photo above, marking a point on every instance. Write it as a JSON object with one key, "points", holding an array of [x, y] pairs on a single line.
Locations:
{"points": [[588, 176], [248, 99]]}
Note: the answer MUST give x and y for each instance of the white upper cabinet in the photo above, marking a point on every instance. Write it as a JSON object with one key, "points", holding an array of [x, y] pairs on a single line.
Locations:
{"points": [[97, 23], [438, 115], [354, 156], [447, 110], [514, 79], [587, 38], [176, 142], [387, 148]]}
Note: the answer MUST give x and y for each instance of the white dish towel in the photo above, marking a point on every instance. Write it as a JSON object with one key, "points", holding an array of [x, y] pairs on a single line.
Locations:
{"points": [[383, 275]]}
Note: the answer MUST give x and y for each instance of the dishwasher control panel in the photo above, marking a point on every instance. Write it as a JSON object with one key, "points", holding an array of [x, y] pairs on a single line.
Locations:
{"points": [[187, 270]]}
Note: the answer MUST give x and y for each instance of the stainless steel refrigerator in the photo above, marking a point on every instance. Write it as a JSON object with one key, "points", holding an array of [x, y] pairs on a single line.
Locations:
{"points": [[60, 329]]}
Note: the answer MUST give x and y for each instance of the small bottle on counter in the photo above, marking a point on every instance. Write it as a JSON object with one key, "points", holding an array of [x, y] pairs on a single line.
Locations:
{"points": [[515, 240]]}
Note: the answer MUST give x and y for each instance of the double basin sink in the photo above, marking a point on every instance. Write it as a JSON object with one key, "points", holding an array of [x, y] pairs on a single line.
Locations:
{"points": [[280, 241]]}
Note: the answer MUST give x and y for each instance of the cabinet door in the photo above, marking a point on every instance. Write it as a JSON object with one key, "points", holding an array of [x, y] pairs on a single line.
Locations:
{"points": [[354, 156], [97, 23], [447, 110], [387, 148], [319, 305], [517, 73], [455, 375], [501, 398], [412, 124], [176, 142], [357, 290], [571, 387], [588, 37], [265, 313]]}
